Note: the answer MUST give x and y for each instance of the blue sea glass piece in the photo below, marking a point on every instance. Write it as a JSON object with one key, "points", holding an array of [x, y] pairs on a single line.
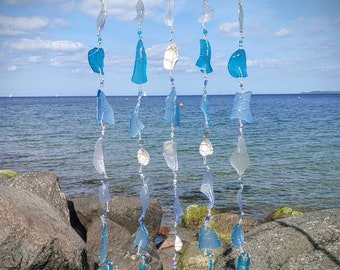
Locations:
{"points": [[239, 199], [145, 198], [207, 188], [107, 266], [241, 107], [104, 109], [103, 250], [203, 62], [205, 109], [208, 238], [178, 210], [139, 71], [243, 261], [98, 157], [237, 235], [172, 111], [143, 266], [95, 57], [237, 64], [142, 237], [240, 158], [104, 193], [136, 125]]}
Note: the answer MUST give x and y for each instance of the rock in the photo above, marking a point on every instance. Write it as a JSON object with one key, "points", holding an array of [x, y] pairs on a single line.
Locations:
{"points": [[34, 235], [7, 174], [194, 216], [310, 241], [45, 185], [283, 212]]}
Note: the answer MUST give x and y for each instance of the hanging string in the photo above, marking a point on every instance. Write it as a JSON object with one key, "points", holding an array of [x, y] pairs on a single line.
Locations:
{"points": [[239, 159], [104, 116], [172, 116], [136, 126], [208, 239]]}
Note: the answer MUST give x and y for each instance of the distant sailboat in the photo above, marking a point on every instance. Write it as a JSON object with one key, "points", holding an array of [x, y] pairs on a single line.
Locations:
{"points": [[10, 95]]}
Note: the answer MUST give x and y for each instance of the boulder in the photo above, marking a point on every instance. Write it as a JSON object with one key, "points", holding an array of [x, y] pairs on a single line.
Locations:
{"points": [[310, 241], [283, 212], [34, 234]]}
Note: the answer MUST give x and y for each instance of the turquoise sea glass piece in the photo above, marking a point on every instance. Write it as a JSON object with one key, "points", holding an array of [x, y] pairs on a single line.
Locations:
{"points": [[103, 250], [142, 237], [208, 238], [241, 107], [139, 71], [98, 157], [243, 261], [104, 193], [240, 158], [172, 111], [143, 266], [237, 235], [136, 125], [178, 210], [104, 109], [237, 64], [145, 198], [203, 62], [207, 188], [95, 57], [205, 108]]}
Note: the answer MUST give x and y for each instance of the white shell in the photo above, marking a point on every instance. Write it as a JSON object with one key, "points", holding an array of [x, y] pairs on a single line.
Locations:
{"points": [[143, 157], [178, 244], [170, 57], [206, 148]]}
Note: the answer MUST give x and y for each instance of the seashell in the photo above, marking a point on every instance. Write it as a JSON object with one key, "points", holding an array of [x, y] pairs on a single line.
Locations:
{"points": [[206, 148], [143, 157], [178, 244]]}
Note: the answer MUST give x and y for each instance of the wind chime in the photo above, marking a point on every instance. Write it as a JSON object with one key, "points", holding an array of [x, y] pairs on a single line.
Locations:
{"points": [[172, 116], [237, 67], [104, 116], [208, 239], [136, 126]]}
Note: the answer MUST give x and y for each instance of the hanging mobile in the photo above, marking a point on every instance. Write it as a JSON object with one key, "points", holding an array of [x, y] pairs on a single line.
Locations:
{"points": [[172, 116], [237, 67], [208, 239], [104, 116], [136, 126]]}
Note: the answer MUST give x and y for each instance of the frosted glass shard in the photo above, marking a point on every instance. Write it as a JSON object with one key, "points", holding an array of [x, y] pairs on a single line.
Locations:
{"points": [[203, 62], [170, 154], [178, 243], [207, 12], [169, 17], [241, 107], [239, 199], [172, 111], [103, 250], [178, 210], [170, 57], [104, 193], [136, 125], [243, 261], [140, 11], [95, 57], [240, 159], [237, 64], [139, 71], [240, 16], [143, 157], [142, 237], [208, 239], [205, 109], [237, 235], [145, 198], [98, 157], [104, 109], [207, 188], [101, 18], [206, 148]]}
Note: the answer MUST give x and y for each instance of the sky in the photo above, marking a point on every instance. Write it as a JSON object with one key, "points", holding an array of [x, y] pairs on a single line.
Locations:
{"points": [[291, 46]]}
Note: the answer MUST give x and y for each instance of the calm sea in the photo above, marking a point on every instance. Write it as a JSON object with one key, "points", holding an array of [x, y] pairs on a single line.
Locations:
{"points": [[293, 144]]}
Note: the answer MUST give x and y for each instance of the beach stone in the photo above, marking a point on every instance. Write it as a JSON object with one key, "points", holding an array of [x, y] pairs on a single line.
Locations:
{"points": [[310, 241], [34, 234], [283, 212], [43, 184], [194, 215], [125, 211]]}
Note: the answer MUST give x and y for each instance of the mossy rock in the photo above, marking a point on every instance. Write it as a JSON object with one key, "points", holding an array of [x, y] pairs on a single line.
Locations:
{"points": [[283, 212], [7, 174], [194, 216]]}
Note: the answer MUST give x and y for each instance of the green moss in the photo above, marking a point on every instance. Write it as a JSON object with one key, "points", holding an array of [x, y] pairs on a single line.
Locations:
{"points": [[282, 211], [296, 213], [8, 173], [193, 215]]}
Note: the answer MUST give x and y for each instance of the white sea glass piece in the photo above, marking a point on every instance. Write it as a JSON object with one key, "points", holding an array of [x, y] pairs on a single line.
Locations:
{"points": [[178, 243], [240, 159], [170, 154], [207, 12], [206, 148], [170, 57], [98, 157], [169, 17], [143, 157]]}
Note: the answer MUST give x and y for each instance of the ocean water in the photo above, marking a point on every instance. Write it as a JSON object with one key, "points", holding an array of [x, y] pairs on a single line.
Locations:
{"points": [[293, 144]]}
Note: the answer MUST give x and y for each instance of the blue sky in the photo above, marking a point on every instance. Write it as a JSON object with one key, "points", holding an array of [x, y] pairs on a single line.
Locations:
{"points": [[292, 46]]}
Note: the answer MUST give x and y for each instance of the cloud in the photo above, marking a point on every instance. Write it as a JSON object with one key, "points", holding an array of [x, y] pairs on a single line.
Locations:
{"points": [[284, 32], [269, 63], [35, 59], [12, 26]]}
